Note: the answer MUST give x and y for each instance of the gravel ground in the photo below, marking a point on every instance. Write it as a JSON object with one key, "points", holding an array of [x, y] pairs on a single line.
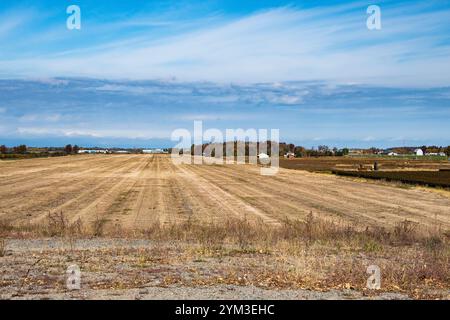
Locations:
{"points": [[228, 292], [120, 269]]}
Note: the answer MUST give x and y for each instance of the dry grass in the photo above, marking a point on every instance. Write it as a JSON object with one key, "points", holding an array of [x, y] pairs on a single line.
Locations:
{"points": [[2, 247], [310, 253], [242, 232]]}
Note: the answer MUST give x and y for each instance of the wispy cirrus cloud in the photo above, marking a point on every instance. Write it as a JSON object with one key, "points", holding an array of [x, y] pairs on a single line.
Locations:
{"points": [[13, 20], [328, 43]]}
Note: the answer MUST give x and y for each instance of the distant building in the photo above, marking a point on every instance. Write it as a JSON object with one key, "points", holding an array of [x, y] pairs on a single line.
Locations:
{"points": [[353, 152], [418, 152], [152, 151], [92, 151], [289, 155], [392, 153]]}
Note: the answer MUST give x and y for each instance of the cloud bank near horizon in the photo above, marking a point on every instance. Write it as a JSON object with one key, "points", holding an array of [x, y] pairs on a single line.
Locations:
{"points": [[144, 113]]}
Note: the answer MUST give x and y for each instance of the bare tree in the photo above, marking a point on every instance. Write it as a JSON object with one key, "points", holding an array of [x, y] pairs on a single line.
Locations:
{"points": [[20, 149], [68, 149]]}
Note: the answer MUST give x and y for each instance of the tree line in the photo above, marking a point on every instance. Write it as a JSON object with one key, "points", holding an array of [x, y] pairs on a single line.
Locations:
{"points": [[300, 151], [265, 146], [22, 151]]}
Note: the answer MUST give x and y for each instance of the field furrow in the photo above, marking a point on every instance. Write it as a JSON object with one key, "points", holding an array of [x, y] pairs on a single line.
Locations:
{"points": [[136, 191]]}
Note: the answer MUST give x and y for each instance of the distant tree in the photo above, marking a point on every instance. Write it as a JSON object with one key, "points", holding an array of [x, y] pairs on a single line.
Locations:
{"points": [[432, 149], [68, 149], [283, 148], [3, 149], [75, 149], [345, 151], [300, 152], [20, 149], [447, 151]]}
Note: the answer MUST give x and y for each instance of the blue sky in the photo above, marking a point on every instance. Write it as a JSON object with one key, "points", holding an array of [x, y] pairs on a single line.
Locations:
{"points": [[139, 69]]}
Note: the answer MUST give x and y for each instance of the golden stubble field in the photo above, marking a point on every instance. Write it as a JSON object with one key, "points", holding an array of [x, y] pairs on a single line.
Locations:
{"points": [[134, 191], [141, 227]]}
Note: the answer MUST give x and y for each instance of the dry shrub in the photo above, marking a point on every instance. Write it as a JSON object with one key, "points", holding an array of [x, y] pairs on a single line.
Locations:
{"points": [[5, 228], [246, 233], [334, 253], [243, 233], [2, 247], [316, 229], [153, 231], [406, 231], [209, 234], [250, 233], [97, 227], [57, 224], [405, 271]]}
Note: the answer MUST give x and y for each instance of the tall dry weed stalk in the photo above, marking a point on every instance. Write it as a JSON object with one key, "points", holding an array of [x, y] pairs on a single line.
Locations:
{"points": [[2, 247]]}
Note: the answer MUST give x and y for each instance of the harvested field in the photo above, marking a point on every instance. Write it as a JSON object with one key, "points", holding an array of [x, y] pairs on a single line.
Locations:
{"points": [[134, 191], [141, 227]]}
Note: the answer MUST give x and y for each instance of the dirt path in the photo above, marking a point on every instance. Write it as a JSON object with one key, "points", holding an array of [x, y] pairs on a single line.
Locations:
{"points": [[134, 191]]}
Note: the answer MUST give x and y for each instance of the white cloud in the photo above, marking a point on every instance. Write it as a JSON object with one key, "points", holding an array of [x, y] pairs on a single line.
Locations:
{"points": [[8, 24], [52, 81], [94, 133], [369, 138], [218, 117], [277, 45], [287, 99], [40, 117]]}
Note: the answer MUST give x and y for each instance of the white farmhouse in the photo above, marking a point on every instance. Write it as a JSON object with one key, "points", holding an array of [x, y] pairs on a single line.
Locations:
{"points": [[392, 154], [92, 151], [418, 152], [289, 155], [156, 150]]}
